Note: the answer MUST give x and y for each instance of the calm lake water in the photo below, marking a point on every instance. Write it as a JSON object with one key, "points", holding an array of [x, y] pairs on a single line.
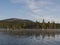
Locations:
{"points": [[35, 39]]}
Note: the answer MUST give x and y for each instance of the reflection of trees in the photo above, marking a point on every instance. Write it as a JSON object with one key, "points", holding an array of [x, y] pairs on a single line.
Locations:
{"points": [[44, 34]]}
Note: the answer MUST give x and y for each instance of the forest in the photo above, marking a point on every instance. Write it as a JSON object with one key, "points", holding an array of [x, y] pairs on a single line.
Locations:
{"points": [[27, 24]]}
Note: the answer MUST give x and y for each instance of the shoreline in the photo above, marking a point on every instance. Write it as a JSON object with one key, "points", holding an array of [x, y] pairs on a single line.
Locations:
{"points": [[30, 30]]}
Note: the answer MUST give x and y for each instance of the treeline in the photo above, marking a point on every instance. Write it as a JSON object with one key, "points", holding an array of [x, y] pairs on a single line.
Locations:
{"points": [[29, 25]]}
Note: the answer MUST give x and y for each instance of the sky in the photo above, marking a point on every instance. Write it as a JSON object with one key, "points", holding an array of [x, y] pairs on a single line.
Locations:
{"points": [[31, 9]]}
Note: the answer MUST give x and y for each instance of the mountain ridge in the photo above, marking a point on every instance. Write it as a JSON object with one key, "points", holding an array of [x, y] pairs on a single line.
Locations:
{"points": [[16, 20]]}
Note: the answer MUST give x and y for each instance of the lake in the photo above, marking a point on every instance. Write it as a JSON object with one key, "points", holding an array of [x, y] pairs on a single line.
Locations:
{"points": [[34, 39]]}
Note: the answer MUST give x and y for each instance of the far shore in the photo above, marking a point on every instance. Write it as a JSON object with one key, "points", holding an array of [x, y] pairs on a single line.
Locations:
{"points": [[26, 29], [29, 29]]}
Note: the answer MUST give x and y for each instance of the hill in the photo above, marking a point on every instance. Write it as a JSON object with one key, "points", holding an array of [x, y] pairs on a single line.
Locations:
{"points": [[15, 20], [27, 24]]}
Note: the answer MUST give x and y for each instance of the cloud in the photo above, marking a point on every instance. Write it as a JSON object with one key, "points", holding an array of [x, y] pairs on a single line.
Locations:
{"points": [[42, 9], [40, 6], [46, 18]]}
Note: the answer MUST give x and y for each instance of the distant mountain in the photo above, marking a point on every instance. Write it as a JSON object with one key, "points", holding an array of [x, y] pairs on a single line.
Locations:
{"points": [[16, 20]]}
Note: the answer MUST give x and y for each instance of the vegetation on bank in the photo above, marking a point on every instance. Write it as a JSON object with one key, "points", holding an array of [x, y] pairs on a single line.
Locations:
{"points": [[25, 24]]}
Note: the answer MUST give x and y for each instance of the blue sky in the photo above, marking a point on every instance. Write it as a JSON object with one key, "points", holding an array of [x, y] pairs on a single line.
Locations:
{"points": [[31, 9]]}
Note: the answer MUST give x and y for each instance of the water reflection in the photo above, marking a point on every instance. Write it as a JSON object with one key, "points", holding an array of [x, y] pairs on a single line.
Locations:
{"points": [[30, 38], [35, 33]]}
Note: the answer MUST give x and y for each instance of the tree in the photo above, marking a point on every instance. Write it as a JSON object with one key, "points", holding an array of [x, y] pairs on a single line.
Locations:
{"points": [[54, 25], [49, 26], [43, 24], [37, 24]]}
